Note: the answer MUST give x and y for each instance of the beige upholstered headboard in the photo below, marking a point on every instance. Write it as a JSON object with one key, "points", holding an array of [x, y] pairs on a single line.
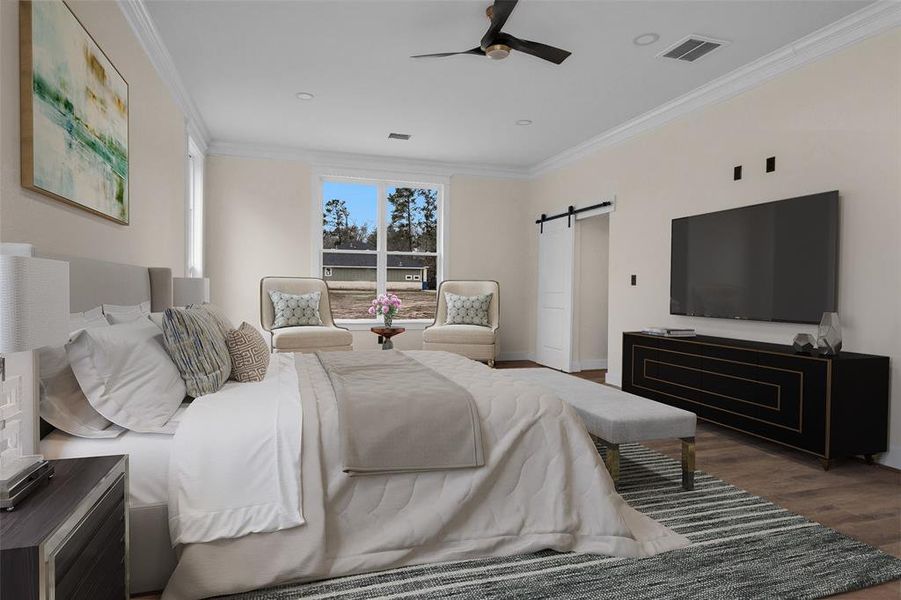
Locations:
{"points": [[95, 282]]}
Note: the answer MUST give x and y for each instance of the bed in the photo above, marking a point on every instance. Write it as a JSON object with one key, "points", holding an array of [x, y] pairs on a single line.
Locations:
{"points": [[252, 491]]}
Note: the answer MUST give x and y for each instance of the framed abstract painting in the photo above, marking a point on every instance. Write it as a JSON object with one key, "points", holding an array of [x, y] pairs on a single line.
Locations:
{"points": [[74, 113]]}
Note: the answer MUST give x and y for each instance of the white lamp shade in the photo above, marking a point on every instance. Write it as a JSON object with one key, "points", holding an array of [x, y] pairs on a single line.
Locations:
{"points": [[190, 290], [34, 303]]}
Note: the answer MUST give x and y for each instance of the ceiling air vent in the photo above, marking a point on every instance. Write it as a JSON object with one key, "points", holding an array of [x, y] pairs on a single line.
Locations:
{"points": [[398, 136], [692, 48]]}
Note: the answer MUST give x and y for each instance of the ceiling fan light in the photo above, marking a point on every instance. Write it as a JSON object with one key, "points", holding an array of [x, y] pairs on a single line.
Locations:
{"points": [[498, 51]]}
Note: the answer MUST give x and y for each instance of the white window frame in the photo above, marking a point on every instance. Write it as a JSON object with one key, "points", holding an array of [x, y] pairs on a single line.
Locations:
{"points": [[194, 210], [382, 181]]}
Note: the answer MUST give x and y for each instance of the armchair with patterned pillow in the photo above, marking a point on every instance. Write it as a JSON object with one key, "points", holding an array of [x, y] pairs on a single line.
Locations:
{"points": [[466, 320], [296, 312]]}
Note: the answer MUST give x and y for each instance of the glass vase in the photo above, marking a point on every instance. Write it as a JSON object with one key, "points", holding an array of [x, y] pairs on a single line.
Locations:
{"points": [[388, 319]]}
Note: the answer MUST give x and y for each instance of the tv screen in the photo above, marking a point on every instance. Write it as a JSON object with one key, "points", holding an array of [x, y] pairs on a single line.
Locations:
{"points": [[768, 262]]}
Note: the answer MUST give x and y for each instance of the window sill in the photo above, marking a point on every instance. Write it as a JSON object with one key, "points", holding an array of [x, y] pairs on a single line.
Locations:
{"points": [[367, 324]]}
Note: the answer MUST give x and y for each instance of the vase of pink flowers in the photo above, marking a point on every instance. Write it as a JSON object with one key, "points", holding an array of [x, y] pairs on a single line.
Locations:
{"points": [[385, 305]]}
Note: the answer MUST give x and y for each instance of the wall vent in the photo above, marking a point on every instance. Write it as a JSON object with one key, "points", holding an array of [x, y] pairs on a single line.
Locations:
{"points": [[399, 136], [692, 48]]}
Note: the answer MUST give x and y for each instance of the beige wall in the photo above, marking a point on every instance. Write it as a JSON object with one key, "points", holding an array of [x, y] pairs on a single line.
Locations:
{"points": [[156, 234], [834, 124], [490, 229], [257, 224]]}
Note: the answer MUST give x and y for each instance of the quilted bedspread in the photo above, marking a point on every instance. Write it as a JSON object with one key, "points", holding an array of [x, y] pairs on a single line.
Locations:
{"points": [[543, 486]]}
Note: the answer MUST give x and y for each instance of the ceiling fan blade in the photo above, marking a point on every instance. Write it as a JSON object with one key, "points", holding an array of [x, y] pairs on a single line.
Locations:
{"points": [[477, 51], [549, 53], [500, 12]]}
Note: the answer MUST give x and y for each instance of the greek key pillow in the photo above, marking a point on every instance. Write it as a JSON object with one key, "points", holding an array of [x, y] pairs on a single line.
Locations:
{"points": [[249, 353], [196, 345], [292, 310], [468, 310]]}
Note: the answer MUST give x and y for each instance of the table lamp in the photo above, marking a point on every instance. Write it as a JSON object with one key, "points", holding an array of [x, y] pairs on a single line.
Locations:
{"points": [[190, 290], [34, 312]]}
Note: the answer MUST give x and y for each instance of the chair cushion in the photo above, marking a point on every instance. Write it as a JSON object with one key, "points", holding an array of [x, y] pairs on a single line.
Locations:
{"points": [[468, 310], [295, 309], [310, 336], [458, 334]]}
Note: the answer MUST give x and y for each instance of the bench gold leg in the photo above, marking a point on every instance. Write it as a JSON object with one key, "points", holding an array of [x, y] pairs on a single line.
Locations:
{"points": [[688, 463], [612, 461]]}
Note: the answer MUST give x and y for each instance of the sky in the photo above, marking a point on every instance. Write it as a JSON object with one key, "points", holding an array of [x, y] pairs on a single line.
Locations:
{"points": [[361, 199]]}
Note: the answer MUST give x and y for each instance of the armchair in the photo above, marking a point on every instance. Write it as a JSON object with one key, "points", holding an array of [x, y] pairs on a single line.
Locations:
{"points": [[307, 338], [473, 341]]}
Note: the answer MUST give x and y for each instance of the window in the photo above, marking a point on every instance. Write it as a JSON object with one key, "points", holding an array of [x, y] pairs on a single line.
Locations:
{"points": [[378, 237], [194, 208]]}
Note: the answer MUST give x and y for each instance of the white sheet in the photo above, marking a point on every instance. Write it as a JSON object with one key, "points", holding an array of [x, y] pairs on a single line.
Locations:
{"points": [[236, 460], [148, 458], [543, 486]]}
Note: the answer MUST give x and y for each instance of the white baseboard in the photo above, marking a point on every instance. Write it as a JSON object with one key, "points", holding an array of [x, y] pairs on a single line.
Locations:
{"points": [[614, 379], [892, 458], [515, 356], [590, 364]]}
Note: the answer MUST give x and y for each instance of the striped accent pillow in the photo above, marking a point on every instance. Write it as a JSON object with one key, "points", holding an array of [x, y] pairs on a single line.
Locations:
{"points": [[249, 353], [197, 347]]}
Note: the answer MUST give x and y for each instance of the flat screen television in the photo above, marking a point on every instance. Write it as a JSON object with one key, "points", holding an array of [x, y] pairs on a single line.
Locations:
{"points": [[776, 261]]}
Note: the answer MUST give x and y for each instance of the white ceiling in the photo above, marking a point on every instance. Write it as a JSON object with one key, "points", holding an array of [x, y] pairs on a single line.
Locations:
{"points": [[243, 61]]}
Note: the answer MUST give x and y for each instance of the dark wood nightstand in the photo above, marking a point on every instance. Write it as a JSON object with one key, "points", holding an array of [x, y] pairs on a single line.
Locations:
{"points": [[68, 539]]}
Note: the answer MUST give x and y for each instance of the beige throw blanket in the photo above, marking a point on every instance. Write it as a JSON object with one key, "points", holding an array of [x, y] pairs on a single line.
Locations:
{"points": [[396, 415]]}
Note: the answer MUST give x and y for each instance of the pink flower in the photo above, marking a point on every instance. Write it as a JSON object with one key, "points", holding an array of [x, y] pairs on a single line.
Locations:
{"points": [[372, 311]]}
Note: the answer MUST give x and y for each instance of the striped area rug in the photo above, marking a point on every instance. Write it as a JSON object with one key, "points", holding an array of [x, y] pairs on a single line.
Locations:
{"points": [[742, 547]]}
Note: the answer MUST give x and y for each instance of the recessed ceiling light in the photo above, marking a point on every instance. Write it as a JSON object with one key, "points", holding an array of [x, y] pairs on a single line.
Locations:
{"points": [[524, 122], [646, 39], [304, 96]]}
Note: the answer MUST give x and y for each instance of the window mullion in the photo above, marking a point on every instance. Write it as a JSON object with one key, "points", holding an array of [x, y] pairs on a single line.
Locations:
{"points": [[382, 242]]}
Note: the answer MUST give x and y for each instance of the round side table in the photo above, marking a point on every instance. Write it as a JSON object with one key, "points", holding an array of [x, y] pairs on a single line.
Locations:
{"points": [[385, 334]]}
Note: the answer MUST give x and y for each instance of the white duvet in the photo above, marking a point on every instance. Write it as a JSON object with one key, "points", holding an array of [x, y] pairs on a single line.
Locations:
{"points": [[543, 486]]}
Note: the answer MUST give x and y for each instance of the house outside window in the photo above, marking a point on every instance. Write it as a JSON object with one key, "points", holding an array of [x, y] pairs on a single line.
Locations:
{"points": [[380, 236]]}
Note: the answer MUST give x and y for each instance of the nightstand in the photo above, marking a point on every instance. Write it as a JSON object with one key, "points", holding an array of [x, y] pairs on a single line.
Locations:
{"points": [[68, 539]]}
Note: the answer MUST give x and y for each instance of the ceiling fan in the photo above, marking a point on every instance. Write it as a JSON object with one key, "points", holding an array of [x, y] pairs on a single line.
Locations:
{"points": [[497, 45]]}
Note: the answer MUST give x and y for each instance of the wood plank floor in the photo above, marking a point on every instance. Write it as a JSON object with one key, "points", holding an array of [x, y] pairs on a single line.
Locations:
{"points": [[859, 500]]}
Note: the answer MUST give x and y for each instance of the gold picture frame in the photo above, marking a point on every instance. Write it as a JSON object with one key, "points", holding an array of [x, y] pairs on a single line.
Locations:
{"points": [[73, 113]]}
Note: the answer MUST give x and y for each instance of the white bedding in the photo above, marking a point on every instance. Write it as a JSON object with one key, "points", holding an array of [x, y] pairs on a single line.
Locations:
{"points": [[148, 458], [543, 486]]}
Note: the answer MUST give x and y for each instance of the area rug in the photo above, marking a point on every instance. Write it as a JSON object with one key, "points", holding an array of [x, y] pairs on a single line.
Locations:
{"points": [[742, 547]]}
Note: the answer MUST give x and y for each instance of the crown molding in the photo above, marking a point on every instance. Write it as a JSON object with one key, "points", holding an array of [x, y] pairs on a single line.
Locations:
{"points": [[872, 20], [343, 160], [145, 30]]}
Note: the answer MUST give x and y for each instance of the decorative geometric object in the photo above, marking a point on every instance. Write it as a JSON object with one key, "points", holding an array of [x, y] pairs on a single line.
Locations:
{"points": [[829, 335], [805, 343], [74, 113]]}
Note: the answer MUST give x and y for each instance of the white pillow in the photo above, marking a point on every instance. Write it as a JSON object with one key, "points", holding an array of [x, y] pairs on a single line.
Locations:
{"points": [[126, 374], [117, 313], [62, 403]]}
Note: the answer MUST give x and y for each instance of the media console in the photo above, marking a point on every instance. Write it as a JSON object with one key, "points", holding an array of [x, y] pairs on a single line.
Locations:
{"points": [[829, 407]]}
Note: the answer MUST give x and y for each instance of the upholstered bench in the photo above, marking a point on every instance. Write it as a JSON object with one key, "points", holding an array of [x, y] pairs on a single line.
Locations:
{"points": [[617, 417]]}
